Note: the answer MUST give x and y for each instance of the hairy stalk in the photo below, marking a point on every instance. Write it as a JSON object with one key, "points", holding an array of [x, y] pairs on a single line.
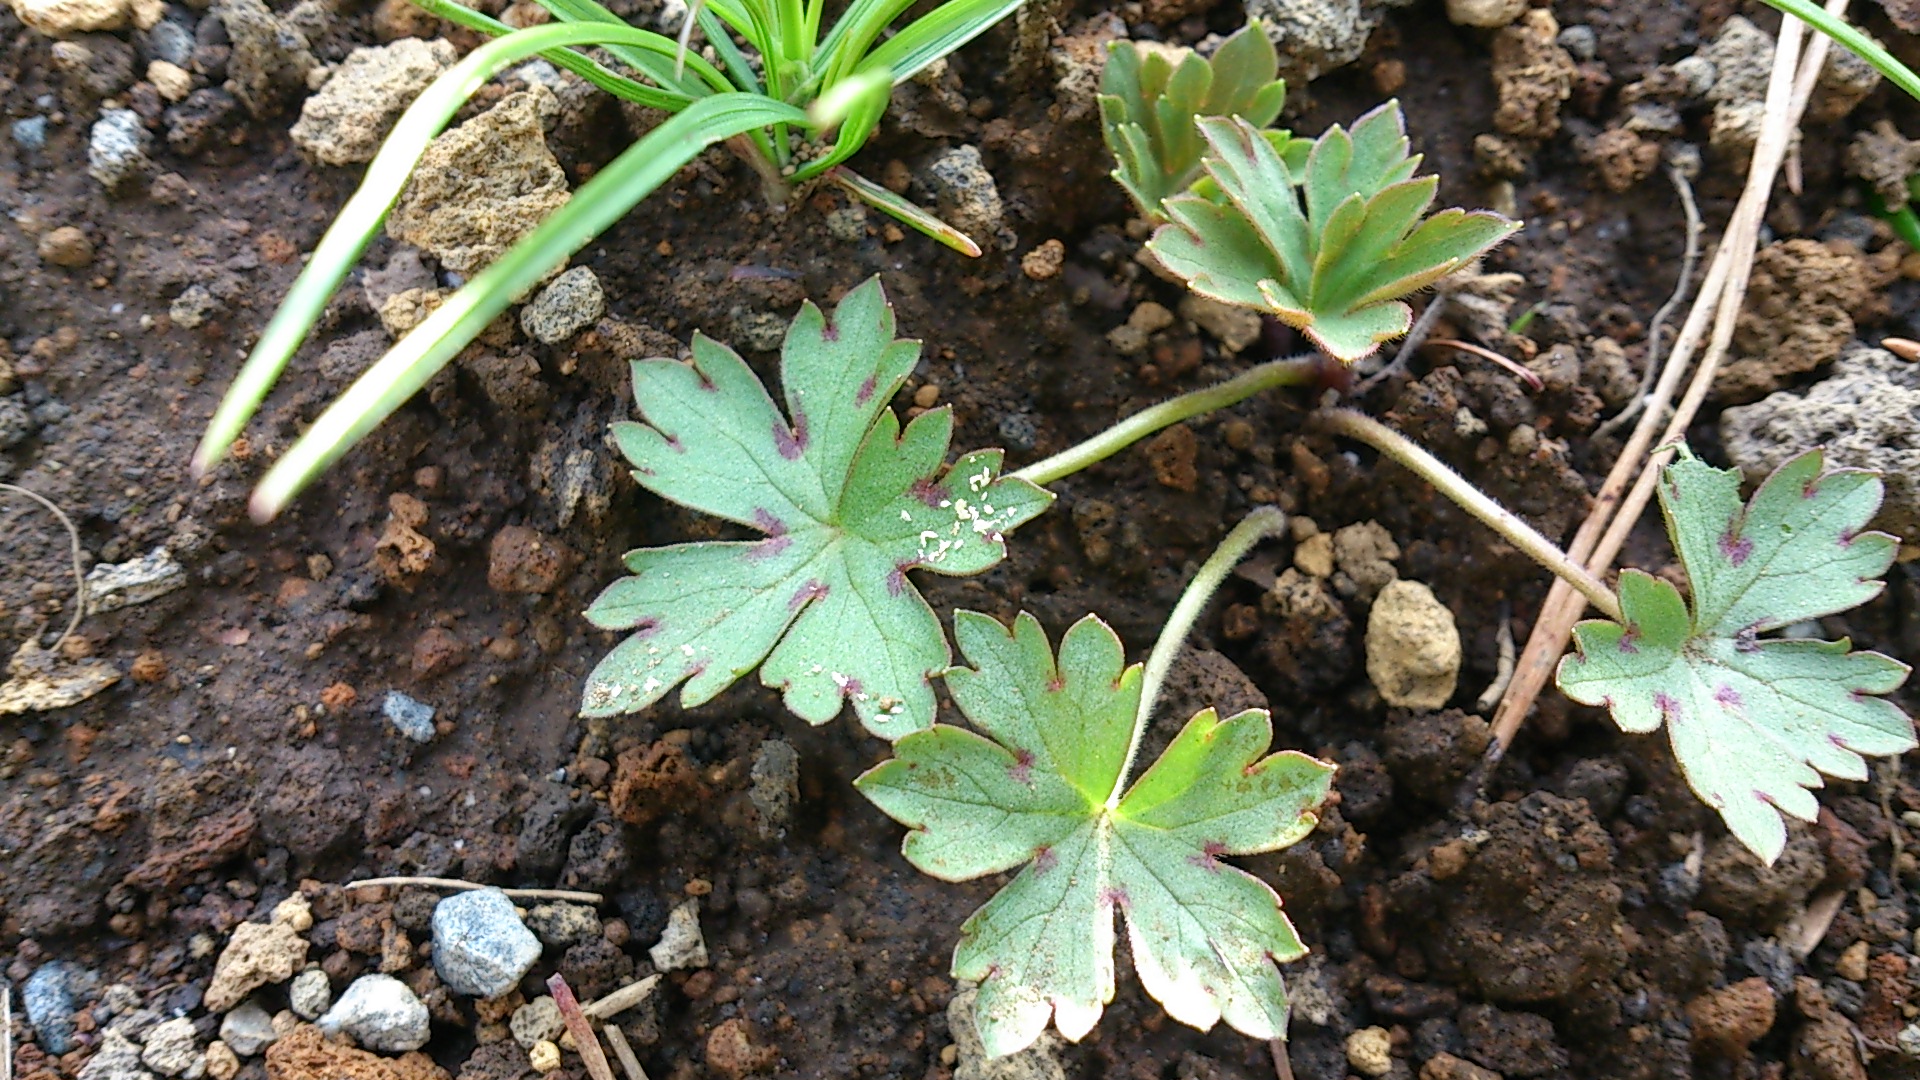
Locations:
{"points": [[1262, 523], [1292, 371], [1471, 499]]}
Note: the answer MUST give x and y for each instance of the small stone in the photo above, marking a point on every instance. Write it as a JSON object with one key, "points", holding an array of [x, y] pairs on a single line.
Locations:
{"points": [[1314, 555], [411, 718], [257, 954], [171, 1049], [1044, 262], [1907, 1041], [30, 133], [482, 186], [1370, 1050], [1234, 328], [63, 18], [112, 586], [173, 81], [480, 946], [732, 1053], [344, 122], [559, 925], [1486, 14], [1731, 1019], [117, 1059], [270, 57], [117, 148], [248, 1030], [1413, 647], [222, 1063], [681, 944], [66, 246], [1040, 1061], [170, 41], [848, 224], [48, 997], [967, 195], [524, 560], [775, 786], [1444, 1066], [295, 911], [1852, 964], [1314, 37], [537, 1021], [544, 1056], [310, 994], [573, 302], [380, 1013]]}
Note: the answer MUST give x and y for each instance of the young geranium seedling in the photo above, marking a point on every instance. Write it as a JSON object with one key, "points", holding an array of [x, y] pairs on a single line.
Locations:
{"points": [[847, 504], [1044, 784], [1754, 721], [1152, 97], [1335, 269]]}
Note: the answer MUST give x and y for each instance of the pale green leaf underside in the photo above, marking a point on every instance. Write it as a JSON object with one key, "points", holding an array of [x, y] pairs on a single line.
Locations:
{"points": [[847, 503], [1205, 936], [1753, 722], [1335, 266]]}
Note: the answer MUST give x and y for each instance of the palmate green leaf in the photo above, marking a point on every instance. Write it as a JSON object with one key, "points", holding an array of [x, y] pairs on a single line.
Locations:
{"points": [[1335, 266], [1037, 785], [847, 503], [1753, 721], [1149, 106]]}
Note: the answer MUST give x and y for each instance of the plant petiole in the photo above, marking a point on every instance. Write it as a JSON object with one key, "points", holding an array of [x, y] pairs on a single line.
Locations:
{"points": [[1263, 522], [1291, 371], [1354, 425]]}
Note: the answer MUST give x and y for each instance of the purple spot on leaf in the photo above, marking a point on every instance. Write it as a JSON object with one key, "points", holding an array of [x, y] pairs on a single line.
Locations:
{"points": [[865, 393], [1811, 488], [897, 579], [1022, 768], [1209, 857], [830, 333], [1114, 895], [1728, 697], [768, 524], [1043, 859], [1735, 547], [777, 538], [791, 444], [1627, 639], [812, 590], [926, 491], [1848, 537], [1056, 683], [674, 444], [1669, 708]]}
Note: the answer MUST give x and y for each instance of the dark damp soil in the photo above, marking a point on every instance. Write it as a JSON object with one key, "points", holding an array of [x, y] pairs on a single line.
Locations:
{"points": [[1580, 916]]}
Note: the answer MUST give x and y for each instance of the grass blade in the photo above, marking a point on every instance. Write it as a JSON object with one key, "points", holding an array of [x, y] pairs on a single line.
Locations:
{"points": [[936, 34], [907, 213], [360, 219], [1861, 45], [629, 178]]}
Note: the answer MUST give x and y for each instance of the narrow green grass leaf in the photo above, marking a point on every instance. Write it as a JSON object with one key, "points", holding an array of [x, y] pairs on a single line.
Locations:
{"points": [[600, 202]]}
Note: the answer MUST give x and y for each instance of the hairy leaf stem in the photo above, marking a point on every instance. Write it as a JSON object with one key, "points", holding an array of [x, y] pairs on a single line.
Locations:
{"points": [[1401, 449], [1291, 371], [1262, 523]]}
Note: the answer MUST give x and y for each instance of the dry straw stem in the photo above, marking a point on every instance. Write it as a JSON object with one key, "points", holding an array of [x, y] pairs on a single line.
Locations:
{"points": [[6, 1032], [79, 582], [585, 1042], [1717, 306], [456, 883], [622, 1050]]}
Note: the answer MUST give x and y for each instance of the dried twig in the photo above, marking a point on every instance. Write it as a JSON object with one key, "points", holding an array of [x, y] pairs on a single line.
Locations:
{"points": [[79, 563], [1416, 336], [628, 1062], [1503, 665], [1689, 261], [1717, 305], [585, 1042], [455, 883], [1484, 353], [1804, 933], [621, 1000]]}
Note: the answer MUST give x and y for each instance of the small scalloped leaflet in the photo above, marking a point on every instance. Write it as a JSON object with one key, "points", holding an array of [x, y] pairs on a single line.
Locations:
{"points": [[1039, 789], [847, 503], [1754, 722]]}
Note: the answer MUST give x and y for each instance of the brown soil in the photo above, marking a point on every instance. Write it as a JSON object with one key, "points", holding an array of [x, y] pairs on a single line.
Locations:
{"points": [[1551, 925]]}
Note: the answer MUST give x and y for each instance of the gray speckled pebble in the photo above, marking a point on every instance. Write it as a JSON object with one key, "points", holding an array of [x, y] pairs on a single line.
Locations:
{"points": [[480, 946]]}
